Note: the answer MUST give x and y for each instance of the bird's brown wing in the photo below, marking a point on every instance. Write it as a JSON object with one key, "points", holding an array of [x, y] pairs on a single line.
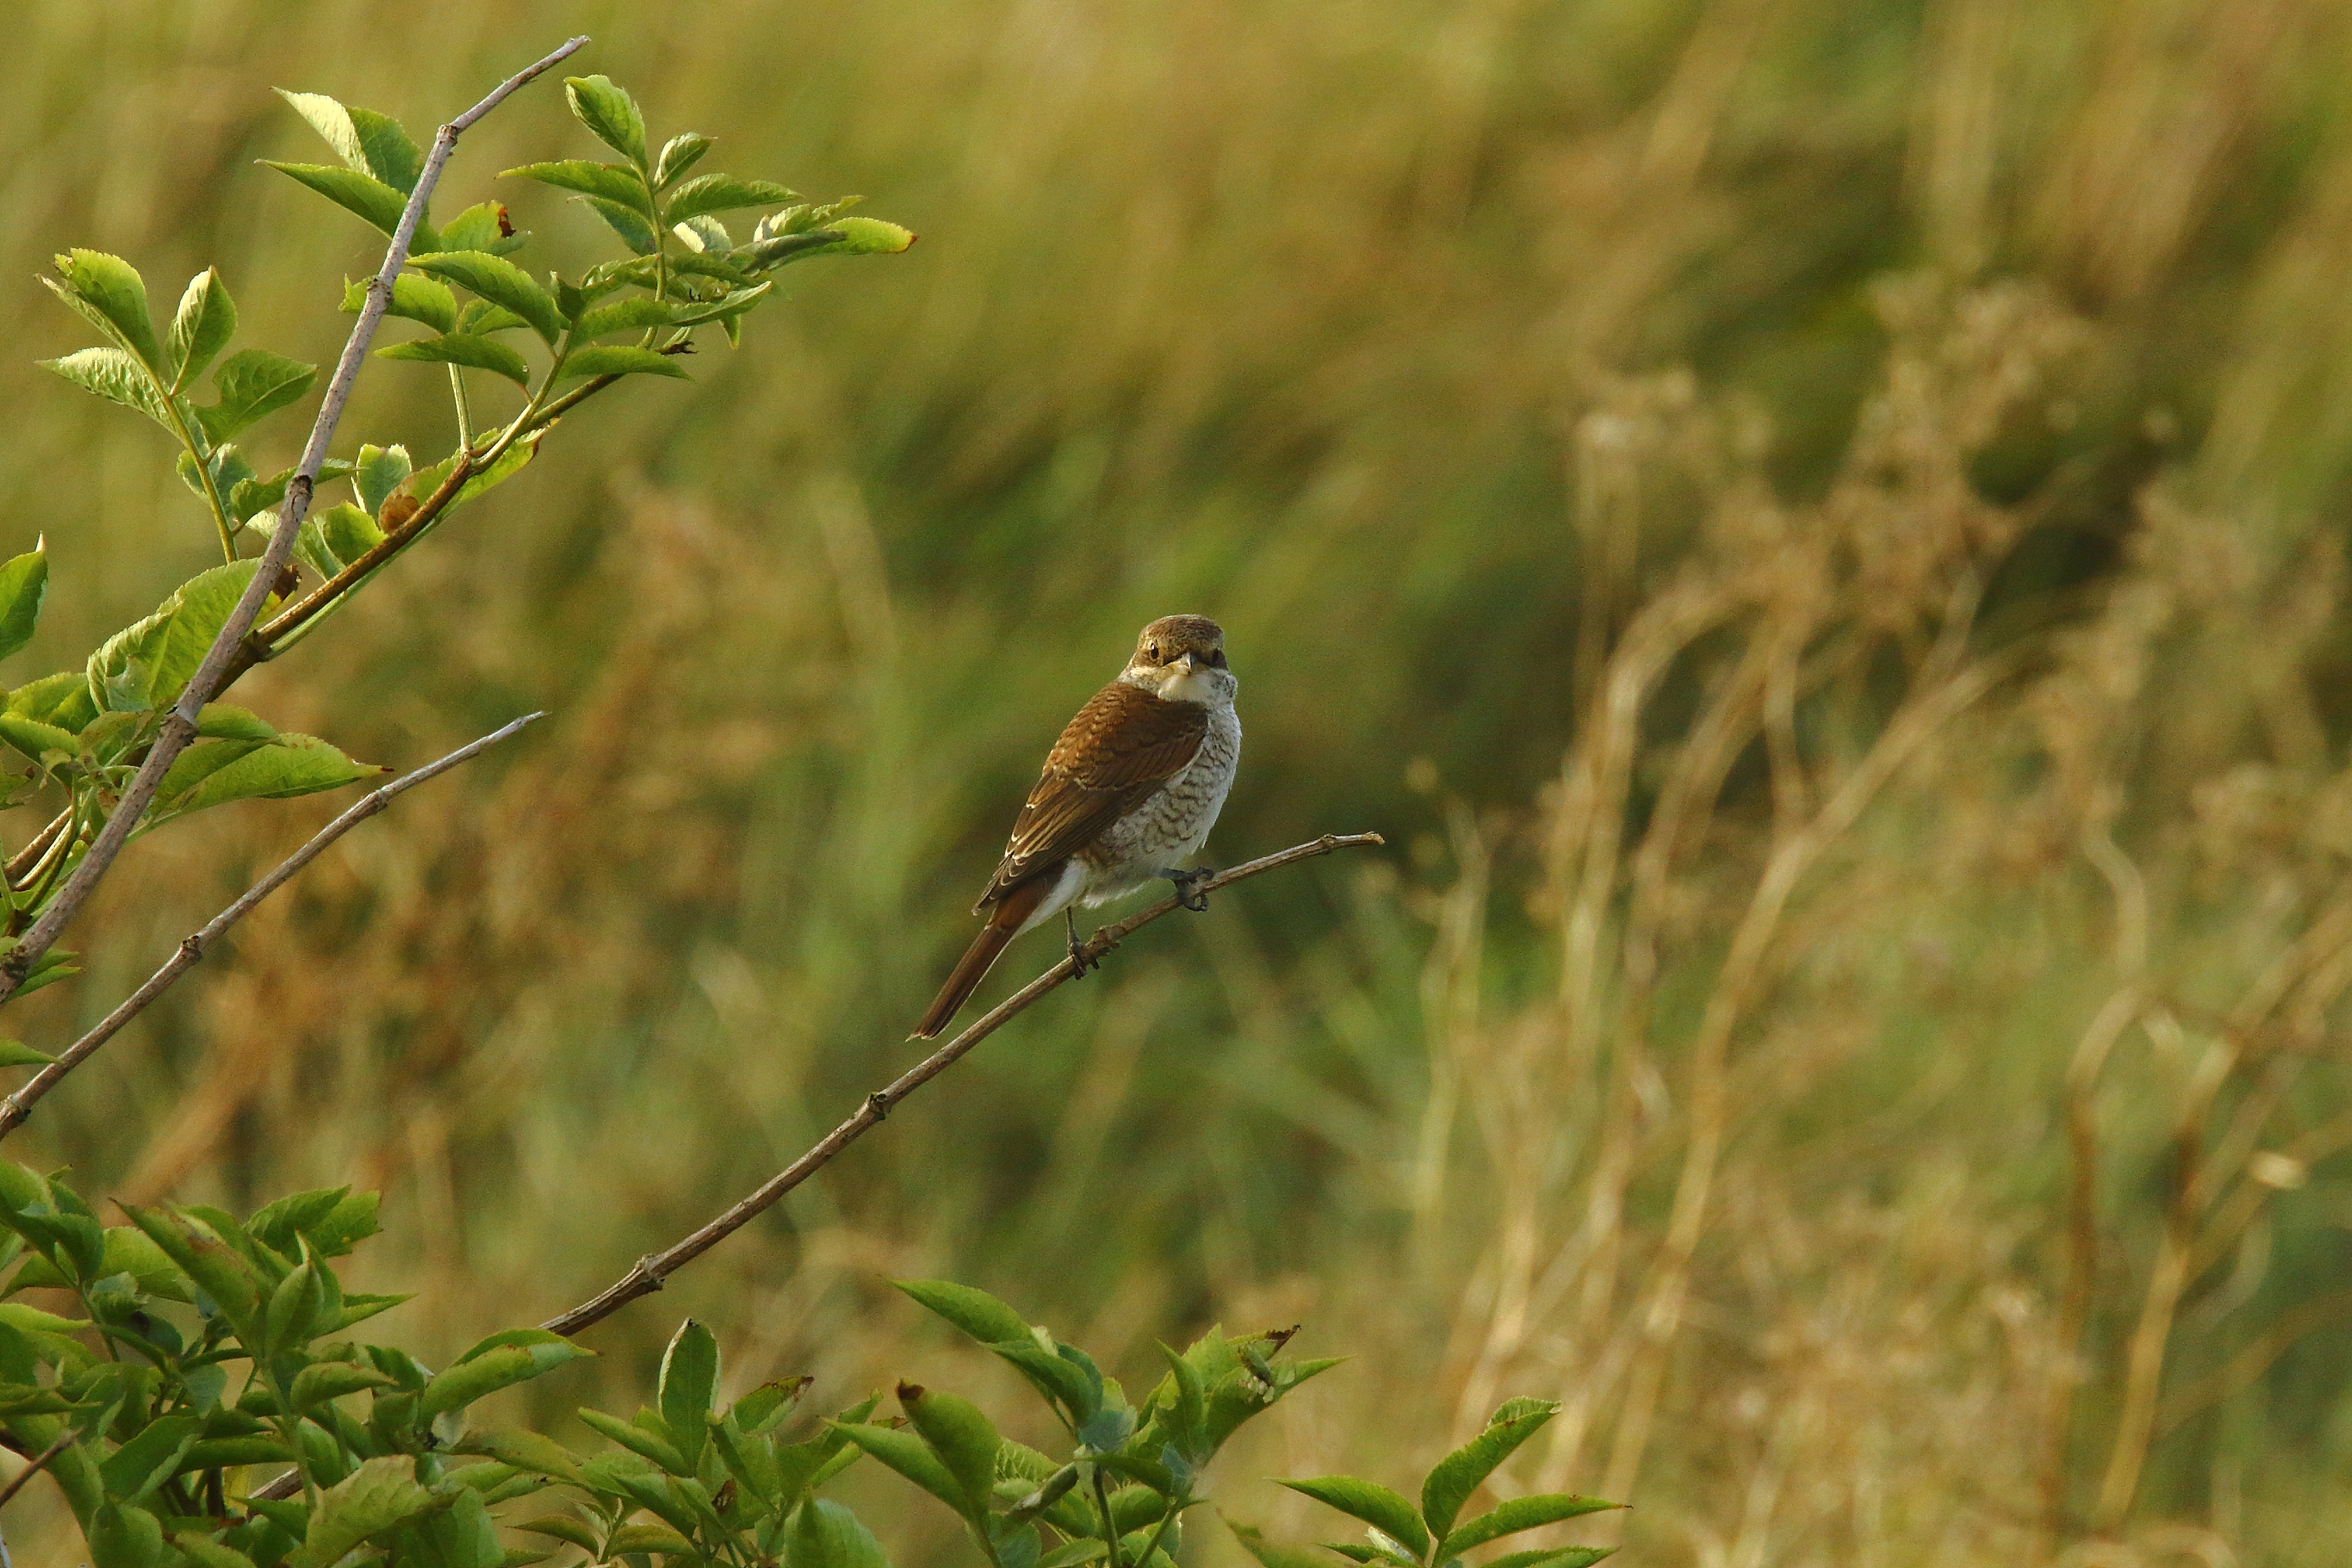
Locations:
{"points": [[1121, 751]]}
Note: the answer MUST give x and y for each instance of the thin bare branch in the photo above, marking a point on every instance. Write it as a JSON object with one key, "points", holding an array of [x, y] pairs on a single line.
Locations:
{"points": [[180, 727], [16, 1108], [650, 1271], [40, 1462]]}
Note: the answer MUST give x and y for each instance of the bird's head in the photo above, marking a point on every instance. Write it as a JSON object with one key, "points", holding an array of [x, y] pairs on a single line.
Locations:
{"points": [[1181, 659]]}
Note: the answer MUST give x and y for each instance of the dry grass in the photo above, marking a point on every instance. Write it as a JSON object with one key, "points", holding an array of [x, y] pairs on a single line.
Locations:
{"points": [[1818, 527]]}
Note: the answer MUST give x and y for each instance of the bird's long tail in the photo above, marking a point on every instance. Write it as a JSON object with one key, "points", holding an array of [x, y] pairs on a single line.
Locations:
{"points": [[1006, 917]]}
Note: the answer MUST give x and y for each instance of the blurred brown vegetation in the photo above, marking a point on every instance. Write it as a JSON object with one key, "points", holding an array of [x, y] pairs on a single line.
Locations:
{"points": [[1817, 525]]}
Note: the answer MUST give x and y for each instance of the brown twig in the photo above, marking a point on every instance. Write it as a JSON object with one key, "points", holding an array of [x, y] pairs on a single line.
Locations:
{"points": [[650, 1271], [17, 1106], [39, 1463], [180, 727]]}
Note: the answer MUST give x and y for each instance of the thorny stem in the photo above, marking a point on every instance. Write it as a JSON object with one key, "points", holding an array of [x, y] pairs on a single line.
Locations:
{"points": [[180, 729], [17, 1106]]}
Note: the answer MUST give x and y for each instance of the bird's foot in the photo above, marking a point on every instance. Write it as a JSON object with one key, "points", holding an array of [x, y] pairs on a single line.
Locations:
{"points": [[1079, 961], [1188, 885]]}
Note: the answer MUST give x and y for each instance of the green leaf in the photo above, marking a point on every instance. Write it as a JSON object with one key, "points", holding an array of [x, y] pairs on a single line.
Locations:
{"points": [[126, 1251], [227, 722], [910, 1456], [17, 1054], [381, 1493], [522, 1449], [295, 765], [414, 297], [734, 304], [724, 192], [206, 1552], [62, 699], [222, 1453], [116, 299], [632, 226], [610, 114], [770, 1402], [1071, 1553], [653, 1445], [389, 154], [479, 316], [325, 1380], [350, 1221], [872, 237], [123, 1535], [114, 375], [704, 233], [1519, 1513], [1553, 1557], [218, 1269], [200, 328], [964, 1438], [1455, 1478], [482, 226], [460, 348], [367, 142], [152, 1457], [35, 740], [690, 1381], [500, 1362], [823, 1534], [564, 1528], [501, 282], [621, 359], [379, 473], [295, 1309], [1375, 1505], [652, 1538], [678, 155], [362, 195], [1272, 1555], [252, 384], [611, 181], [513, 462], [627, 316]]}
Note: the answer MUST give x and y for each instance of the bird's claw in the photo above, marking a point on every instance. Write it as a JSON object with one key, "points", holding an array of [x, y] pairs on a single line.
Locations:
{"points": [[1079, 961], [1188, 885]]}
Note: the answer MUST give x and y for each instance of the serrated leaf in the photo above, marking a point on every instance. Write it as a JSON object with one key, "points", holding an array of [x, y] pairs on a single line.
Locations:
{"points": [[1374, 1504], [513, 462], [564, 1528], [462, 348], [294, 765], [363, 195], [690, 1381], [501, 282], [415, 297], [910, 1456], [704, 233], [227, 722], [200, 328], [381, 1493], [621, 359], [218, 1269], [724, 310], [1519, 1513], [35, 740], [484, 227], [1272, 1555], [610, 114], [723, 192], [379, 471], [150, 1458], [626, 316], [653, 1446], [611, 181], [252, 384], [823, 1534], [114, 375], [632, 227], [652, 1538], [113, 287], [387, 151], [522, 1449], [515, 1355], [1455, 1478], [678, 155]]}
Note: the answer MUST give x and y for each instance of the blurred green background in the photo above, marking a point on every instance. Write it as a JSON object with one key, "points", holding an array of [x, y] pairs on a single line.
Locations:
{"points": [[1815, 526]]}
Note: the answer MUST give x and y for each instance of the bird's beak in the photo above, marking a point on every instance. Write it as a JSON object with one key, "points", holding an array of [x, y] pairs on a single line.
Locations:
{"points": [[1187, 662]]}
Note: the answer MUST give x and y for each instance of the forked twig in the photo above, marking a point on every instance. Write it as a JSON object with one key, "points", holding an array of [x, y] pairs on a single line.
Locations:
{"points": [[180, 727], [650, 1271], [40, 1462], [16, 1107]]}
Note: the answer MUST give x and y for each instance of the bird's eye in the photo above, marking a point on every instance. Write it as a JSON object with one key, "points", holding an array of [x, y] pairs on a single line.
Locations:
{"points": [[1152, 653]]}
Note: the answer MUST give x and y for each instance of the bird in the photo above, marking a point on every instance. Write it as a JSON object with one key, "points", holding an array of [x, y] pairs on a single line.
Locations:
{"points": [[1127, 794]]}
